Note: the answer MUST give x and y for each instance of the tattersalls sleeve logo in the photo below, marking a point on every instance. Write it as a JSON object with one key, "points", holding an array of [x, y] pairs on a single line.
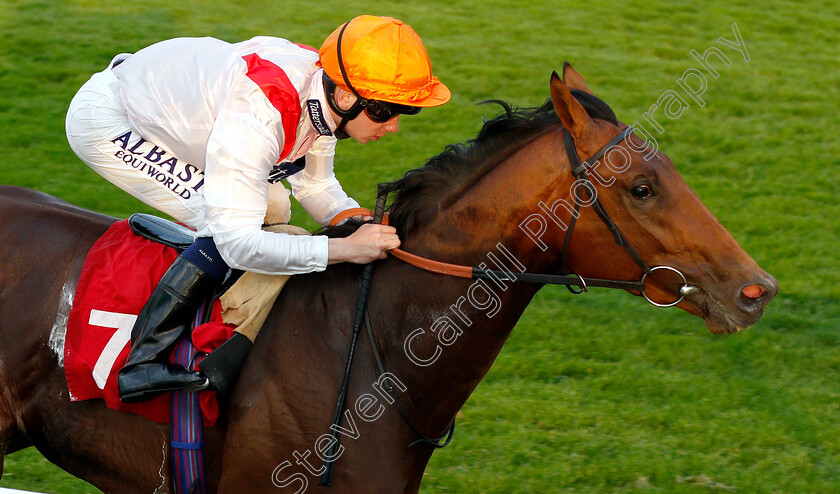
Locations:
{"points": [[181, 178], [316, 115]]}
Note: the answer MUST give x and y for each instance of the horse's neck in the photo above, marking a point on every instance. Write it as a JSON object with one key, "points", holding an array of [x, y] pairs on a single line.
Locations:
{"points": [[448, 331]]}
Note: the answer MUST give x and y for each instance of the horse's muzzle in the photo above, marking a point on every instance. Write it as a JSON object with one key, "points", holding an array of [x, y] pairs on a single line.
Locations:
{"points": [[730, 311]]}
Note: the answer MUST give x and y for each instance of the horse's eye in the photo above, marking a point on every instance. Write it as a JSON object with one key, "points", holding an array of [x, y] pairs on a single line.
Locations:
{"points": [[642, 192]]}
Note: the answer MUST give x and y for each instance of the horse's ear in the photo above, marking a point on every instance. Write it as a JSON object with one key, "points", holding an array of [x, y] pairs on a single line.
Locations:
{"points": [[573, 79], [571, 113]]}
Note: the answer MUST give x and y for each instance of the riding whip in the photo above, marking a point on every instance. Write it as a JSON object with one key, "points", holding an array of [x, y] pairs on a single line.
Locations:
{"points": [[361, 307]]}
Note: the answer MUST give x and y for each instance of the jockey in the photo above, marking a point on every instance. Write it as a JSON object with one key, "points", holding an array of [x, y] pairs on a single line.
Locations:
{"points": [[205, 131]]}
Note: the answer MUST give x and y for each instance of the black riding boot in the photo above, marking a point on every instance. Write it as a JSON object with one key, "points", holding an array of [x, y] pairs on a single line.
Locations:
{"points": [[164, 318], [222, 365]]}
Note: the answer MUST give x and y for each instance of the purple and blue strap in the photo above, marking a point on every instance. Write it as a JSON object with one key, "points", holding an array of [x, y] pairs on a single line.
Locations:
{"points": [[187, 427]]}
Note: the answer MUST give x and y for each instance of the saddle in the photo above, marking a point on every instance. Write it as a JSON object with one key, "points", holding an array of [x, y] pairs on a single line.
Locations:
{"points": [[162, 231]]}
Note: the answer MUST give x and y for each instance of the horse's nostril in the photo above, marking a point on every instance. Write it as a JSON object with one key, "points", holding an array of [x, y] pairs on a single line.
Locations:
{"points": [[753, 291], [753, 297]]}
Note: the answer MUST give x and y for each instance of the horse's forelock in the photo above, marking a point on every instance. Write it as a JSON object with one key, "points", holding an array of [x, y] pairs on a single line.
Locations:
{"points": [[595, 106]]}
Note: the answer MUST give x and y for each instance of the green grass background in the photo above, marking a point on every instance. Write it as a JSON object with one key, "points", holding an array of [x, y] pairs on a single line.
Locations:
{"points": [[596, 393]]}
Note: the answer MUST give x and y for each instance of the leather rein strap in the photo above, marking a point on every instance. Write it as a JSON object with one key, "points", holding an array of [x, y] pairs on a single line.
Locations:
{"points": [[579, 170]]}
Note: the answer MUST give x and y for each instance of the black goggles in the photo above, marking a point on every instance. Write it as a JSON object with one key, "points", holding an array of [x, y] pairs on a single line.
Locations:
{"points": [[381, 111]]}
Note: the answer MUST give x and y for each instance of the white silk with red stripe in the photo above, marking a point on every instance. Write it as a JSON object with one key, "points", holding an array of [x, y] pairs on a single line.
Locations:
{"points": [[234, 111]]}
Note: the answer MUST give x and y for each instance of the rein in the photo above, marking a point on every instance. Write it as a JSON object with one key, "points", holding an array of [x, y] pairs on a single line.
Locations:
{"points": [[579, 170]]}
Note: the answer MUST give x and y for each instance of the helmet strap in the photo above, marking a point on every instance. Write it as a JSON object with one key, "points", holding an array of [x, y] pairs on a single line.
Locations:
{"points": [[330, 86], [341, 64], [346, 115]]}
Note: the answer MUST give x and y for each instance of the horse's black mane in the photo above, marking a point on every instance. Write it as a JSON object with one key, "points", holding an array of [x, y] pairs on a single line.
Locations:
{"points": [[422, 191]]}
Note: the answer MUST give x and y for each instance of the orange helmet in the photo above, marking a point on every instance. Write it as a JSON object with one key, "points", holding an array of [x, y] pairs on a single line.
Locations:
{"points": [[381, 58]]}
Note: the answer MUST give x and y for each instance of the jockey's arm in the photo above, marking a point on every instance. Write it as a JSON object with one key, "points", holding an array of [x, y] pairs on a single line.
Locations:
{"points": [[239, 154]]}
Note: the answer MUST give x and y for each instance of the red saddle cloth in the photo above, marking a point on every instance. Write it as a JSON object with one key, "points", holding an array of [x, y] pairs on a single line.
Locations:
{"points": [[119, 274]]}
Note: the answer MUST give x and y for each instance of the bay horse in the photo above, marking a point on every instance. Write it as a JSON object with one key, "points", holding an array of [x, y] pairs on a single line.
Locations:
{"points": [[435, 335]]}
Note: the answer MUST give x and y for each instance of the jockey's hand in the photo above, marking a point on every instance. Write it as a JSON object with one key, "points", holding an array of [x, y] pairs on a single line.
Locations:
{"points": [[368, 243]]}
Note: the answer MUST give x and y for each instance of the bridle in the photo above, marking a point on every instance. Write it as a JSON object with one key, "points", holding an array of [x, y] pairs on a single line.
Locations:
{"points": [[575, 283]]}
